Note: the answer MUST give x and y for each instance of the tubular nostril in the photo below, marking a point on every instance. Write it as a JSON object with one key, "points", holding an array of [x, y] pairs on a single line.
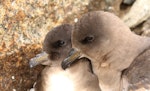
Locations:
{"points": [[71, 51]]}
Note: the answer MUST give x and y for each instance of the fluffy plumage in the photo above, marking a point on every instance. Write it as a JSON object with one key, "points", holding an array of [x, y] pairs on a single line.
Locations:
{"points": [[112, 48], [78, 77]]}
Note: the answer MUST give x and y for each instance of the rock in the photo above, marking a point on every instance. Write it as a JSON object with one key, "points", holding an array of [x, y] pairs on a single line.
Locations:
{"points": [[139, 12], [128, 2], [146, 28], [26, 22], [113, 6]]}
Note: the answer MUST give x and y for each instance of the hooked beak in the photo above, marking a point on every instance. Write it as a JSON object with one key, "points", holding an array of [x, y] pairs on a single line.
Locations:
{"points": [[73, 56], [39, 59]]}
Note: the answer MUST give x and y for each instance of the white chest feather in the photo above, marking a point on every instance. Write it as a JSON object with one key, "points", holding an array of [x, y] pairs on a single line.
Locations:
{"points": [[59, 81]]}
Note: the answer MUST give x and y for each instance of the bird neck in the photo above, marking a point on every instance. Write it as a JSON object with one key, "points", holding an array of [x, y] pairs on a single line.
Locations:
{"points": [[119, 52], [124, 52], [119, 57]]}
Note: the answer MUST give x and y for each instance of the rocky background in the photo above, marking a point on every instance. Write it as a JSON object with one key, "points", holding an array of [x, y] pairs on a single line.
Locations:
{"points": [[24, 23]]}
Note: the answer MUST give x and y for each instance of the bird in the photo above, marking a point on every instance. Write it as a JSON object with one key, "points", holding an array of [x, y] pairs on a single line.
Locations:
{"points": [[119, 57], [78, 77]]}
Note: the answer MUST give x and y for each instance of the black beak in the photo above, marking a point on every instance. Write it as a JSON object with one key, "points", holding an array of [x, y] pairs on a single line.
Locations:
{"points": [[73, 56], [42, 57]]}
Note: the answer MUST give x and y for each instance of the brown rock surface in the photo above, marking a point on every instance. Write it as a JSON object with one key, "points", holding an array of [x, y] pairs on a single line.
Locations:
{"points": [[15, 74]]}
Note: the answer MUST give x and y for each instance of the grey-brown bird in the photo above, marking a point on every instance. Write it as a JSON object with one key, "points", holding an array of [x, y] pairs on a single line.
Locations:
{"points": [[78, 77], [119, 57]]}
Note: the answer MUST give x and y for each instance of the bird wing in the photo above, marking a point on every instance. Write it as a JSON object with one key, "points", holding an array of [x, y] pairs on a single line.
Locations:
{"points": [[138, 74]]}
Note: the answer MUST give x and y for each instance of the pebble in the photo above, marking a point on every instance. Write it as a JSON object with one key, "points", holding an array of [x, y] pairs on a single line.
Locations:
{"points": [[128, 2], [13, 77]]}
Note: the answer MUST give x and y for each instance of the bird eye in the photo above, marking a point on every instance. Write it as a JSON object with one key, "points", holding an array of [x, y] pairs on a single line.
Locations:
{"points": [[88, 39], [59, 43]]}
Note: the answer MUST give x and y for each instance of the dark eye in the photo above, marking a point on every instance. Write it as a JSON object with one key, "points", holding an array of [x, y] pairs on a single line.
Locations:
{"points": [[59, 43], [88, 39]]}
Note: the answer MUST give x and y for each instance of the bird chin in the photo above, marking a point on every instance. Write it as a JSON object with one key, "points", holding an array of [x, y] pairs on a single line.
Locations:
{"points": [[67, 62]]}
